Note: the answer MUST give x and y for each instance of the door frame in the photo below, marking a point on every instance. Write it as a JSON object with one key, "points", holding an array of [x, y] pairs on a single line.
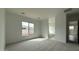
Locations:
{"points": [[67, 26]]}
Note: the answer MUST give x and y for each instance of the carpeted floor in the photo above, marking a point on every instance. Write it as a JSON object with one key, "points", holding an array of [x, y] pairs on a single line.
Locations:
{"points": [[42, 44]]}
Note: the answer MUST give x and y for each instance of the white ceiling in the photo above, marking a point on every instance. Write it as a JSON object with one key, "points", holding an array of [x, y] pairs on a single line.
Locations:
{"points": [[43, 13]]}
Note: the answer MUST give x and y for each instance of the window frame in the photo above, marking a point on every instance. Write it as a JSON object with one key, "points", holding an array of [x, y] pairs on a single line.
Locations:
{"points": [[28, 29]]}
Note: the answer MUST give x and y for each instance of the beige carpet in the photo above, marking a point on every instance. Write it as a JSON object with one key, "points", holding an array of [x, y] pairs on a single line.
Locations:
{"points": [[42, 44]]}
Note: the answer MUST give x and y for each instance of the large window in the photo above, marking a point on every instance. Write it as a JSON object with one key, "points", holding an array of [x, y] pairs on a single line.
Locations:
{"points": [[27, 29], [51, 22], [31, 28]]}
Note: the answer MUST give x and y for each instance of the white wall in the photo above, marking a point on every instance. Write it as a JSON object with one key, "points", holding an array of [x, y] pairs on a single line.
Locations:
{"points": [[44, 28], [13, 27], [2, 29], [60, 27]]}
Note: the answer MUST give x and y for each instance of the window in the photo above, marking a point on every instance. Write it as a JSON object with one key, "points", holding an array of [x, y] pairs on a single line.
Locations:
{"points": [[24, 28], [51, 22], [31, 28], [27, 28]]}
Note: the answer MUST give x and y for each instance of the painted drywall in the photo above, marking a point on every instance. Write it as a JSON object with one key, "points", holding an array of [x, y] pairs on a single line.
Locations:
{"points": [[2, 29], [44, 28], [60, 27], [14, 27]]}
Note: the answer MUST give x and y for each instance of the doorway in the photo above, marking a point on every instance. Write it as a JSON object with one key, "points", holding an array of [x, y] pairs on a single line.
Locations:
{"points": [[72, 28]]}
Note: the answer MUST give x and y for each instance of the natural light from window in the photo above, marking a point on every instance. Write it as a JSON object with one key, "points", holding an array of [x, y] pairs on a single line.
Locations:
{"points": [[27, 29]]}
